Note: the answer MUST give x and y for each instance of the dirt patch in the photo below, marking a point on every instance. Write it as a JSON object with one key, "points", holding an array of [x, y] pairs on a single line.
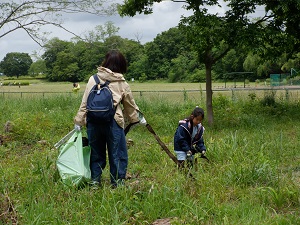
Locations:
{"points": [[3, 139], [8, 214], [166, 221]]}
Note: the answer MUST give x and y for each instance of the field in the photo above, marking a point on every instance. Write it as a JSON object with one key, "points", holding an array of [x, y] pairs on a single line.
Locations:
{"points": [[253, 176], [40, 88]]}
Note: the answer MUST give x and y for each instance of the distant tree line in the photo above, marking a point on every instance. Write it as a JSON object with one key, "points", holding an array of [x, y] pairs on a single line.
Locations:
{"points": [[169, 57]]}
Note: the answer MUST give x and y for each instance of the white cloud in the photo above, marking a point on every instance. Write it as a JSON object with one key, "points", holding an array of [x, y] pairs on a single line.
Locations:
{"points": [[165, 16]]}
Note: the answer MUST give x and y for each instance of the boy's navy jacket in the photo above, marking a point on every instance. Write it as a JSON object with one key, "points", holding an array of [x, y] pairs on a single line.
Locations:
{"points": [[183, 137]]}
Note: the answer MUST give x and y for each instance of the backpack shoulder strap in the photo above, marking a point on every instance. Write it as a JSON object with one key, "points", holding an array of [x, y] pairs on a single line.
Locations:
{"points": [[96, 79]]}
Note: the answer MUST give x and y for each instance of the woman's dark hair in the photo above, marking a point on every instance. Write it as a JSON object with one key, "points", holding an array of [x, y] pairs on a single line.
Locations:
{"points": [[115, 61]]}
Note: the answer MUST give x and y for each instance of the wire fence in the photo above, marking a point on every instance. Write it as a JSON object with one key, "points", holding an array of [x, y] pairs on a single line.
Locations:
{"points": [[281, 93]]}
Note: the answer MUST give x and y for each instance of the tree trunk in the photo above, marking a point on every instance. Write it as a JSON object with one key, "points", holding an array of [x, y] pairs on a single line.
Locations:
{"points": [[209, 93]]}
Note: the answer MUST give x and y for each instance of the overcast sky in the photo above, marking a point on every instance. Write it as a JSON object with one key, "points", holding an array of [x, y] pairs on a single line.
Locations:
{"points": [[166, 15]]}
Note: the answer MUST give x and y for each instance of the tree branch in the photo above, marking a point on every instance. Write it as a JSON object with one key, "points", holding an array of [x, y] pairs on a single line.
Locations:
{"points": [[32, 15]]}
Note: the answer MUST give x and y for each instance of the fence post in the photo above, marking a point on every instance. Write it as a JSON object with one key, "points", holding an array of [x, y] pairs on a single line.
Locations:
{"points": [[185, 95], [233, 95], [141, 93], [287, 96]]}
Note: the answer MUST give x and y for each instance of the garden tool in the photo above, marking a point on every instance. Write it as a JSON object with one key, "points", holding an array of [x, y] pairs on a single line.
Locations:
{"points": [[164, 147], [64, 139], [204, 157], [202, 154]]}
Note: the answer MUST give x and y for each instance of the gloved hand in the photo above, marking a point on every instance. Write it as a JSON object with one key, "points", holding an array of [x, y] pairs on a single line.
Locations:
{"points": [[77, 127], [189, 155], [197, 149], [143, 121]]}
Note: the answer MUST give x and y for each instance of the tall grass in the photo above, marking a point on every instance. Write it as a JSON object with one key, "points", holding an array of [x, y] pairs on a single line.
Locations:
{"points": [[252, 178]]}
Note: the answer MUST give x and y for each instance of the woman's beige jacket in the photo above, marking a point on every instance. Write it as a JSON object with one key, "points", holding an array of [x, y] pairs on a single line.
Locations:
{"points": [[122, 97]]}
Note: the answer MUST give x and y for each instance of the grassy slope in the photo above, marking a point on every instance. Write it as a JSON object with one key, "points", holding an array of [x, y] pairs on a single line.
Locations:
{"points": [[253, 177]]}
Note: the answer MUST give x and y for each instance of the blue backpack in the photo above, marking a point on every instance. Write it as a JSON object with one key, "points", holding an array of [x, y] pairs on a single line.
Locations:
{"points": [[100, 105]]}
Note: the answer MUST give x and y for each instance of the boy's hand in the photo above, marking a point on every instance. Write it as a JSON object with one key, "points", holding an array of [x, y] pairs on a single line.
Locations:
{"points": [[189, 155]]}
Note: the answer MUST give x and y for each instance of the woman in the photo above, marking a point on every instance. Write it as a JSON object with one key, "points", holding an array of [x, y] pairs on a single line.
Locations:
{"points": [[111, 134]]}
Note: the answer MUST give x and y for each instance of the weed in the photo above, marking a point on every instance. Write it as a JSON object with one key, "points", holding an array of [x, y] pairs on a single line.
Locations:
{"points": [[280, 198], [269, 99]]}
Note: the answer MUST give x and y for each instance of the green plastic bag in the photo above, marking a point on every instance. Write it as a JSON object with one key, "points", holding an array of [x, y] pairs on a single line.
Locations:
{"points": [[73, 162]]}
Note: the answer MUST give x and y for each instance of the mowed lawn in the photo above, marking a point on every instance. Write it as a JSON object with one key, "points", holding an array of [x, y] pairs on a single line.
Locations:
{"points": [[41, 85], [172, 91]]}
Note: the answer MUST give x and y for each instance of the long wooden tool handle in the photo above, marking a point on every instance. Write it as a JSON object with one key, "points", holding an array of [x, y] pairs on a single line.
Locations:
{"points": [[164, 147]]}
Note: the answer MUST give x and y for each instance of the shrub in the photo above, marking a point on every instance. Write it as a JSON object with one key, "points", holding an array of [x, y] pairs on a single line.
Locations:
{"points": [[22, 83], [269, 99], [143, 78]]}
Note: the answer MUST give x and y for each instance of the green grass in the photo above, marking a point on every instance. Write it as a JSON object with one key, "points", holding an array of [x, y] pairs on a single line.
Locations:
{"points": [[176, 92], [42, 85], [253, 176]]}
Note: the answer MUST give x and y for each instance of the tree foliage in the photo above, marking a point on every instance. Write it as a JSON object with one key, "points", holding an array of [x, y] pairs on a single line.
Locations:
{"points": [[286, 18], [76, 61], [165, 47], [213, 35], [102, 32], [37, 67], [16, 64]]}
